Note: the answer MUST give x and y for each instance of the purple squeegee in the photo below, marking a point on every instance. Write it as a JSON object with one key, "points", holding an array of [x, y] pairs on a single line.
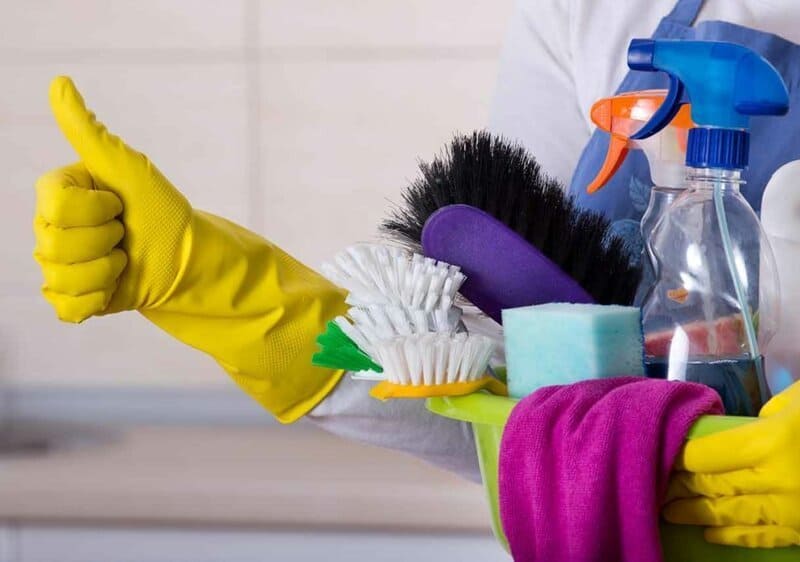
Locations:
{"points": [[503, 269]]}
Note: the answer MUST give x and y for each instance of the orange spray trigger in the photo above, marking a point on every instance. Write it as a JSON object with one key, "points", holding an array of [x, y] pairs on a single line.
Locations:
{"points": [[606, 113], [621, 116], [617, 151], [600, 113]]}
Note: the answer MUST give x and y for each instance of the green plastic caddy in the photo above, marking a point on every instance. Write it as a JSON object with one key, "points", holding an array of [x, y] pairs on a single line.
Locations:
{"points": [[488, 414]]}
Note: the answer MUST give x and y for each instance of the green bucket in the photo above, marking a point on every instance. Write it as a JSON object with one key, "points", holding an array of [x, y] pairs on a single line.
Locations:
{"points": [[488, 414]]}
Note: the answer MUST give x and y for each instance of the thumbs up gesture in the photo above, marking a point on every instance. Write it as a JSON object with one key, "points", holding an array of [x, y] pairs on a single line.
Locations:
{"points": [[109, 229], [113, 234]]}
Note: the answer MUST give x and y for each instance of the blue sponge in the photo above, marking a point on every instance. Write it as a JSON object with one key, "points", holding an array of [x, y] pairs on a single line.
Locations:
{"points": [[563, 343]]}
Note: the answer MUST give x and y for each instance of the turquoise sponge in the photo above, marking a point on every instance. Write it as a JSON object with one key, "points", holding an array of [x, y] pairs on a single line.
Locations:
{"points": [[563, 343]]}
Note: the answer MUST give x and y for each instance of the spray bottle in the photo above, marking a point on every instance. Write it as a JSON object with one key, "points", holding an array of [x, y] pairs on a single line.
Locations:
{"points": [[622, 116], [714, 305]]}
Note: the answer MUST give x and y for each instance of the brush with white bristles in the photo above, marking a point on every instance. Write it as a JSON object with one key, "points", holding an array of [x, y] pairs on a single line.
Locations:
{"points": [[418, 366], [386, 276], [403, 318], [370, 325], [394, 293]]}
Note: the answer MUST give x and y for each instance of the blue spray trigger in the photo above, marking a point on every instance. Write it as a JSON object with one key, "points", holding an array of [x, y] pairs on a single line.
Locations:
{"points": [[727, 82], [759, 90], [641, 53], [666, 111]]}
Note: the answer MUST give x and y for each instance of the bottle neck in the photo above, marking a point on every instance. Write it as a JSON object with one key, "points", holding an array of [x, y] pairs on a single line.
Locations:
{"points": [[709, 178]]}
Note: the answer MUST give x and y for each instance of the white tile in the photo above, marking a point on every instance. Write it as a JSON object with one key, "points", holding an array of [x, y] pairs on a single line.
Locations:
{"points": [[367, 23], [123, 24], [341, 140], [35, 348], [190, 119]]}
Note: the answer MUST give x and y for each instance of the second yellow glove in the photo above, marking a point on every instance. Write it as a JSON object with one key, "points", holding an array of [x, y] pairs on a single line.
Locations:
{"points": [[744, 483], [113, 234]]}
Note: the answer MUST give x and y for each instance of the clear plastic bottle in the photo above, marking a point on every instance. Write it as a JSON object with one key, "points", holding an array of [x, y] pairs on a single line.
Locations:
{"points": [[660, 200], [714, 304], [695, 325]]}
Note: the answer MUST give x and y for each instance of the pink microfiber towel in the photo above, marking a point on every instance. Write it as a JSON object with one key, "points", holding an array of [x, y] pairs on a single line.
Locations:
{"points": [[584, 467]]}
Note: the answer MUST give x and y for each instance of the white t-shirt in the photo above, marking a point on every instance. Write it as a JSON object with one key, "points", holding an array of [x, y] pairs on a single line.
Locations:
{"points": [[560, 56]]}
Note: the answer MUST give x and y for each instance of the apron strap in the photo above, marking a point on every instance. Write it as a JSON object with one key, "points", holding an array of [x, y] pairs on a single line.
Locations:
{"points": [[685, 12]]}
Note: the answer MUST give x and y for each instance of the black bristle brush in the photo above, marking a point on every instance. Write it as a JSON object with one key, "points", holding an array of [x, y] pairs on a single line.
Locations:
{"points": [[513, 206]]}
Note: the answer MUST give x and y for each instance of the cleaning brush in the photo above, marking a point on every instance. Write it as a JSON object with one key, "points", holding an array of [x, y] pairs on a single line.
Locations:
{"points": [[504, 181], [403, 317], [372, 324], [424, 365], [394, 293], [380, 275]]}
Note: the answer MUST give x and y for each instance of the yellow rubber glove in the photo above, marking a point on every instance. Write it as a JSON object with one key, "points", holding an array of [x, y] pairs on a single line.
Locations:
{"points": [[113, 234], [744, 483]]}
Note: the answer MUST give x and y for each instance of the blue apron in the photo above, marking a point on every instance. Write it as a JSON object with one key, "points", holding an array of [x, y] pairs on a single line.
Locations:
{"points": [[774, 140]]}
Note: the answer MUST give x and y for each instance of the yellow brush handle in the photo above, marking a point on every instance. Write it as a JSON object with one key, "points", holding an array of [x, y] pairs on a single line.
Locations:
{"points": [[386, 390]]}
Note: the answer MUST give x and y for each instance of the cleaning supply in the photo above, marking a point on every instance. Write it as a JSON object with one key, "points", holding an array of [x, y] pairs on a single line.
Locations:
{"points": [[488, 415], [436, 365], [743, 483], [715, 265], [403, 326], [780, 217], [623, 115], [393, 293], [583, 467], [504, 181], [375, 274], [505, 270], [565, 343], [113, 234]]}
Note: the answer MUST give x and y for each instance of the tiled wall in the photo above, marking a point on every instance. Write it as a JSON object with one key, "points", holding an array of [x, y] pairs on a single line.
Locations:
{"points": [[301, 119]]}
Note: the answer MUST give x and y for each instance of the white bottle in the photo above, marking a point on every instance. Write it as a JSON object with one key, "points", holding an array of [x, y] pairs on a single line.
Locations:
{"points": [[780, 218]]}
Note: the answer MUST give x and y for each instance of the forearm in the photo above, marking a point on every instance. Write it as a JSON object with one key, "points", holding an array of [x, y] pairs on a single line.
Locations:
{"points": [[403, 425]]}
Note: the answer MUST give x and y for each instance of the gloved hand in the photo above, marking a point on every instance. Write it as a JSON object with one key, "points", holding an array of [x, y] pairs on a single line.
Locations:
{"points": [[113, 234], [744, 483]]}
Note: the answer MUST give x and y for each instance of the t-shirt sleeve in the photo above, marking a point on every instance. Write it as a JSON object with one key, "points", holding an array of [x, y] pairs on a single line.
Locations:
{"points": [[403, 425]]}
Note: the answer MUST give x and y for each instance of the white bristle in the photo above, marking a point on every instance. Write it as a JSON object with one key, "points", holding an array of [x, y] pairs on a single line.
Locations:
{"points": [[398, 357], [434, 358], [380, 275], [402, 323], [455, 355], [440, 346], [355, 334], [402, 313], [367, 326], [428, 351]]}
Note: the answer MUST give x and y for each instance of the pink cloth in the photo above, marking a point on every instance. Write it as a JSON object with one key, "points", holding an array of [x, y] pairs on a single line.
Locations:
{"points": [[584, 467]]}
